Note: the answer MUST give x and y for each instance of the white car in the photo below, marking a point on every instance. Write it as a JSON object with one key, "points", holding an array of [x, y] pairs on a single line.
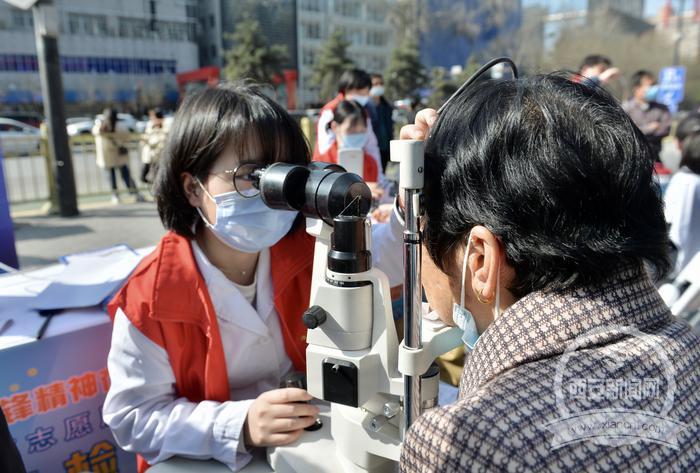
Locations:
{"points": [[125, 120], [17, 138], [83, 127]]}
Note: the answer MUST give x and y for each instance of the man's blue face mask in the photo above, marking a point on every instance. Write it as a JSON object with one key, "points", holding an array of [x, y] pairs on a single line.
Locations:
{"points": [[651, 93]]}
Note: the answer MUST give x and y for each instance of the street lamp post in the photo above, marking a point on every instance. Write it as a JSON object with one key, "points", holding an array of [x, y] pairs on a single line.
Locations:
{"points": [[679, 34], [46, 32]]}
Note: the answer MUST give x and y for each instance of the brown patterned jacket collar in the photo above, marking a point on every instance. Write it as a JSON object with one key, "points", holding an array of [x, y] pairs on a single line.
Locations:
{"points": [[541, 325]]}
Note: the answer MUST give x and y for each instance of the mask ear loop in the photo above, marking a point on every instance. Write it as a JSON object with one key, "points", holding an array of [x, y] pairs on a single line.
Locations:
{"points": [[497, 313], [199, 211], [464, 267]]}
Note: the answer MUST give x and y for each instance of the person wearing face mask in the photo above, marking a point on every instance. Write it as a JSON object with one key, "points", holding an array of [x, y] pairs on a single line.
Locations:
{"points": [[380, 111], [542, 218], [354, 85], [349, 126], [652, 117], [210, 321]]}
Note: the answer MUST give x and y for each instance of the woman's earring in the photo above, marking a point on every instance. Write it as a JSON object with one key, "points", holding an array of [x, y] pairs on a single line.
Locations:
{"points": [[480, 297]]}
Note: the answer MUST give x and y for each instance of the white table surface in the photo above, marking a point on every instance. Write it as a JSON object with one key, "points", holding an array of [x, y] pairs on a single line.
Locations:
{"points": [[18, 292]]}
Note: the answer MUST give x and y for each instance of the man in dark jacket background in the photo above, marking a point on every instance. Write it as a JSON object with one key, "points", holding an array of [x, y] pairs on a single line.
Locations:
{"points": [[380, 111]]}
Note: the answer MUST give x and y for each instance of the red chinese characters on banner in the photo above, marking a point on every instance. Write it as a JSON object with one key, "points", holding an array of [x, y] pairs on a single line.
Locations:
{"points": [[104, 379], [83, 386], [55, 395], [50, 396], [17, 407]]}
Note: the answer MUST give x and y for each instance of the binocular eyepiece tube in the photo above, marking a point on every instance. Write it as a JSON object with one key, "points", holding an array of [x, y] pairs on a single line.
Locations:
{"points": [[317, 190]]}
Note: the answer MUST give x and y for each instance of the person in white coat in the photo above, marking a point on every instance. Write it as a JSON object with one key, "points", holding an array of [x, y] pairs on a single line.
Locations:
{"points": [[210, 322], [682, 197]]}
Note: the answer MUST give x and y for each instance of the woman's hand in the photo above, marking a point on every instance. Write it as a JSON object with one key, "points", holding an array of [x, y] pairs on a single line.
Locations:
{"points": [[376, 190], [278, 417], [382, 214], [419, 131]]}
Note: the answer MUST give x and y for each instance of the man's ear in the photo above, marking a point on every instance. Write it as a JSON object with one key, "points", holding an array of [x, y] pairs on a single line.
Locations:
{"points": [[484, 258], [192, 189]]}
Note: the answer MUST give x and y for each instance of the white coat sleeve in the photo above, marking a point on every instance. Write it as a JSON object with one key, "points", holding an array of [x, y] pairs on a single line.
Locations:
{"points": [[145, 416], [324, 138], [387, 247]]}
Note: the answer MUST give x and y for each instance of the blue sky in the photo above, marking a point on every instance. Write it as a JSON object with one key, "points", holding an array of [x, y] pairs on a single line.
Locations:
{"points": [[651, 7]]}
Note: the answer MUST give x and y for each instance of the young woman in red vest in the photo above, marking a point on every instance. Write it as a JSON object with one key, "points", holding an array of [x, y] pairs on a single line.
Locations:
{"points": [[349, 127], [211, 320]]}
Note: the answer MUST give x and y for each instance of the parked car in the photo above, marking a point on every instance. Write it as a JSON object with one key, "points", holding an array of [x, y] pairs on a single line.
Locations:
{"points": [[28, 118], [17, 138], [141, 126], [72, 120], [83, 127]]}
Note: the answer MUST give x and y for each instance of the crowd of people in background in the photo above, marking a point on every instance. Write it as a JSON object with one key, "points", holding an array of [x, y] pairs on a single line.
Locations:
{"points": [[654, 120], [200, 177], [360, 118]]}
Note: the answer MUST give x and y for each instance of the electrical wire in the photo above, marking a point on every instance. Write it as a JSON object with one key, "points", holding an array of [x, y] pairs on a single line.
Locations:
{"points": [[479, 73]]}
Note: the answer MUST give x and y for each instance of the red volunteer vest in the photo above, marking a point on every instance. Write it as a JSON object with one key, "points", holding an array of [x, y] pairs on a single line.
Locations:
{"points": [[167, 299], [370, 173]]}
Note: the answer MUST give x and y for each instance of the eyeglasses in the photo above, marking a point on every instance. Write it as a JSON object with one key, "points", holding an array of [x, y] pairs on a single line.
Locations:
{"points": [[245, 179]]}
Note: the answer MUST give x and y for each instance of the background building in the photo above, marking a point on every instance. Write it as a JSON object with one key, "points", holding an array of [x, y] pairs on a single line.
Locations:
{"points": [[302, 26], [452, 31], [123, 51], [365, 24]]}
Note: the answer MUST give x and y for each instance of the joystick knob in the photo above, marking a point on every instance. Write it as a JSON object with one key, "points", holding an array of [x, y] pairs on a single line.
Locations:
{"points": [[314, 316]]}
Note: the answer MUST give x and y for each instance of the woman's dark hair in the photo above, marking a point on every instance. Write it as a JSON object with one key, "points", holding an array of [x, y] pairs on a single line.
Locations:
{"points": [[688, 133], [349, 109], [109, 120], [214, 120], [354, 79], [556, 169], [595, 60], [638, 76], [158, 113]]}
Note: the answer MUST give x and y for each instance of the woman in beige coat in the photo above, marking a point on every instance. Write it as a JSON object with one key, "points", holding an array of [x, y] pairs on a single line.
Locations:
{"points": [[152, 144], [112, 153]]}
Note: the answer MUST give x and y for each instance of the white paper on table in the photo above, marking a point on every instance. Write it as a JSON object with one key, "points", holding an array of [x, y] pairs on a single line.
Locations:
{"points": [[87, 280], [18, 290], [25, 325], [101, 252]]}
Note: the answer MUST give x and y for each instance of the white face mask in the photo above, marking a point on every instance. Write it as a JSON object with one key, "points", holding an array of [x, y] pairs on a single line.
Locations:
{"points": [[461, 316], [353, 140], [376, 91], [361, 99], [247, 224]]}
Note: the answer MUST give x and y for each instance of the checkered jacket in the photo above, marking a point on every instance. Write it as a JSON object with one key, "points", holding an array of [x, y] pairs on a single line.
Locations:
{"points": [[607, 369]]}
